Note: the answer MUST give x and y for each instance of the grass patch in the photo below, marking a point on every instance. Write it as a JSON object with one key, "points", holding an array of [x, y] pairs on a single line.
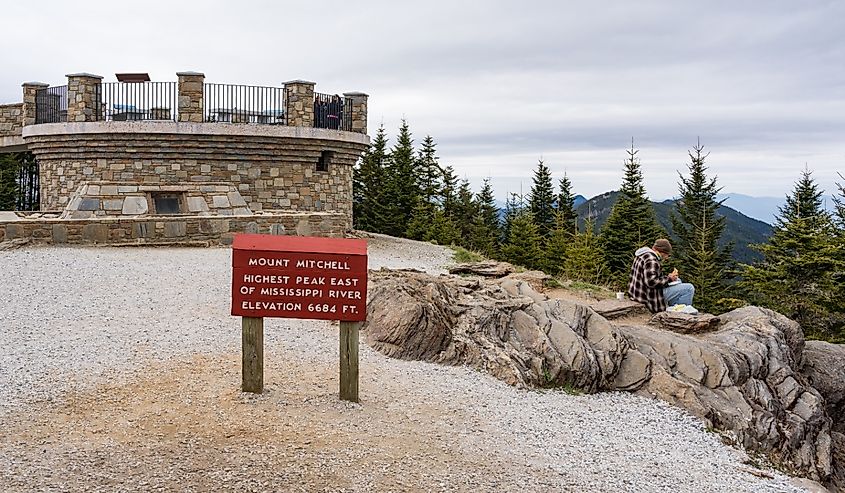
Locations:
{"points": [[464, 256], [592, 290]]}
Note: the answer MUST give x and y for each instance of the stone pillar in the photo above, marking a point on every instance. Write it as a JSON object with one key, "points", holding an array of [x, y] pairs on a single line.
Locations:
{"points": [[359, 111], [299, 103], [190, 96], [83, 98], [30, 89]]}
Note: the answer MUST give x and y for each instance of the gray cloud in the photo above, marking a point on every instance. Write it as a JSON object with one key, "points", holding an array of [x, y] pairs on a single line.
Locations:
{"points": [[499, 84]]}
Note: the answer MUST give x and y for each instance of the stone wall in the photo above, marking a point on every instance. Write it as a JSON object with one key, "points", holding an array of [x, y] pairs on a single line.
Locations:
{"points": [[124, 199], [271, 173], [83, 97], [11, 119], [168, 230]]}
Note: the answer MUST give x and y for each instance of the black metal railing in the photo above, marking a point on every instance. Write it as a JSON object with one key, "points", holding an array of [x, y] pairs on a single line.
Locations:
{"points": [[332, 112], [131, 101], [231, 103], [51, 105]]}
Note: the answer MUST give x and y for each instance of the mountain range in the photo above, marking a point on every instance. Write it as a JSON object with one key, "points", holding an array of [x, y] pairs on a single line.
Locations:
{"points": [[740, 229]]}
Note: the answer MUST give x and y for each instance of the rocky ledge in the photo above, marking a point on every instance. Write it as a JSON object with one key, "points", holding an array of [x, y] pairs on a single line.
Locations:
{"points": [[749, 374]]}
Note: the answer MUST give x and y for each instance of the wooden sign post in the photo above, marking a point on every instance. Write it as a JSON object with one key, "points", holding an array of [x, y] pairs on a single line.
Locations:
{"points": [[299, 277]]}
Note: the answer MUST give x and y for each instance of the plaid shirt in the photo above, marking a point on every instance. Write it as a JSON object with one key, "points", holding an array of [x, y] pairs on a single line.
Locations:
{"points": [[647, 281]]}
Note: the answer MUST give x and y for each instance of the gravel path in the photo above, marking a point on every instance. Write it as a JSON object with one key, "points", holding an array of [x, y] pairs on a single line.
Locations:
{"points": [[119, 370]]}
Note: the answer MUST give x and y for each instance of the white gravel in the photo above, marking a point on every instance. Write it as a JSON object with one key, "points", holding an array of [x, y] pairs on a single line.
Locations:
{"points": [[74, 317]]}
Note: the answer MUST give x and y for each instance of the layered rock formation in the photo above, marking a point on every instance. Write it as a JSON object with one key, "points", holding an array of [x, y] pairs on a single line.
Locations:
{"points": [[745, 377]]}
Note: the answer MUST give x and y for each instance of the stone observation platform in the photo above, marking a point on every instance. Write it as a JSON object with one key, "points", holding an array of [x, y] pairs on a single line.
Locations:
{"points": [[136, 161]]}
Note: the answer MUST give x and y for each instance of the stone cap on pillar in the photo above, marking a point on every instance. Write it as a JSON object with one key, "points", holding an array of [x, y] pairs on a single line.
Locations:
{"points": [[35, 84], [356, 94], [84, 74], [190, 74], [299, 81]]}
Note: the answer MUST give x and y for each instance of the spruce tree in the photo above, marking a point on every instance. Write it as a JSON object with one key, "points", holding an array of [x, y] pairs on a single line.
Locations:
{"points": [[428, 172], [421, 220], [541, 200], [449, 192], [466, 211], [401, 190], [487, 232], [631, 223], [698, 229], [523, 246], [584, 259], [368, 186], [795, 276], [443, 230], [839, 207], [514, 206], [566, 205], [9, 168], [557, 245]]}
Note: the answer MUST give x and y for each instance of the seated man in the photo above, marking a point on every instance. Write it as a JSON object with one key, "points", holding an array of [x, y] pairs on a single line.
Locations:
{"points": [[649, 286]]}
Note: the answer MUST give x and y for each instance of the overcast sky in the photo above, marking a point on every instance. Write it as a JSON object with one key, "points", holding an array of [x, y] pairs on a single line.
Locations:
{"points": [[500, 84]]}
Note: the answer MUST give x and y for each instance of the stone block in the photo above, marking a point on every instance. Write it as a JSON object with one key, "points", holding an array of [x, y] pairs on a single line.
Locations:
{"points": [[95, 233], [205, 168], [133, 206], [112, 204], [108, 190], [303, 227], [277, 229], [232, 167], [13, 231], [175, 229], [88, 204], [236, 199], [242, 211], [219, 201], [127, 188], [197, 204], [59, 233], [81, 214], [117, 166], [143, 230], [251, 227], [213, 226]]}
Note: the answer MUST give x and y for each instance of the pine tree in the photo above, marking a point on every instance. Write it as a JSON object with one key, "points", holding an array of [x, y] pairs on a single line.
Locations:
{"points": [[795, 276], [523, 246], [557, 245], [487, 232], [443, 230], [401, 191], [584, 259], [631, 223], [566, 205], [368, 186], [429, 174], [699, 229], [541, 200], [466, 211], [9, 168], [449, 192]]}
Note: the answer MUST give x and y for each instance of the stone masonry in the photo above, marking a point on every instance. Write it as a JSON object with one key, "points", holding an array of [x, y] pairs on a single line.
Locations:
{"points": [[11, 119], [359, 111], [299, 95], [83, 100], [30, 90], [190, 96]]}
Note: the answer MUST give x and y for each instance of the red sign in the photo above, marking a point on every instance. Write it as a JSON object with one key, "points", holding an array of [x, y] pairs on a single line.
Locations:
{"points": [[299, 277]]}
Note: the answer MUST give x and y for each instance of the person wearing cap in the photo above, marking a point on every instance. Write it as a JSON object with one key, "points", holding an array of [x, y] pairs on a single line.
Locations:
{"points": [[649, 286]]}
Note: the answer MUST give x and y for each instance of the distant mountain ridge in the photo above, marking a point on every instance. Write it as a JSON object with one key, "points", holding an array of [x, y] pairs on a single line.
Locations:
{"points": [[740, 229]]}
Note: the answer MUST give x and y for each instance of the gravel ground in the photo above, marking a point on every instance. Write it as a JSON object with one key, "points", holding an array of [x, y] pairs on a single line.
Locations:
{"points": [[120, 367]]}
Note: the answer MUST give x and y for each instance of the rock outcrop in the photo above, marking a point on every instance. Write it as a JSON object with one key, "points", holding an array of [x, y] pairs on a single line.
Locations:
{"points": [[745, 377]]}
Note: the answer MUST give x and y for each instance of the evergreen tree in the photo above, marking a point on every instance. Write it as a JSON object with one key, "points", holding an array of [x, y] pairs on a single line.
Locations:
{"points": [[9, 168], [449, 192], [487, 228], [429, 174], [523, 246], [514, 206], [541, 200], [557, 246], [401, 190], [466, 212], [631, 223], [839, 206], [566, 205], [698, 229], [421, 220], [584, 259], [368, 186], [443, 230], [795, 276]]}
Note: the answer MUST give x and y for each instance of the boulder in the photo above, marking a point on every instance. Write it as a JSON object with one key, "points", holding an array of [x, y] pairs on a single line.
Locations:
{"points": [[486, 268], [744, 376], [685, 323]]}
